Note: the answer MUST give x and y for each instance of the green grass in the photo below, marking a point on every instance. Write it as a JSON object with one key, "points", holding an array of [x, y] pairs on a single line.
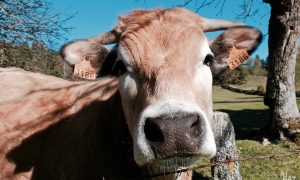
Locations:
{"points": [[249, 114], [268, 168], [224, 99], [253, 82]]}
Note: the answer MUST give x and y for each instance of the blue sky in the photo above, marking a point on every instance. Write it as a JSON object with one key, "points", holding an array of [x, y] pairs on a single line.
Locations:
{"points": [[96, 16]]}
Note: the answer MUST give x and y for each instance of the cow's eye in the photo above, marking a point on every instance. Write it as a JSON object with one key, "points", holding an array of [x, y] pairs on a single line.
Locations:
{"points": [[208, 59], [119, 68]]}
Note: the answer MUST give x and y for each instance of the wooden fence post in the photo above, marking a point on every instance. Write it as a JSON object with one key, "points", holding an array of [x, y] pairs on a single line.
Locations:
{"points": [[226, 148]]}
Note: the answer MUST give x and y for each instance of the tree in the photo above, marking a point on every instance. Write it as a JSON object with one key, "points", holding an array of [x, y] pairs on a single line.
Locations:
{"points": [[30, 20], [284, 29], [256, 68]]}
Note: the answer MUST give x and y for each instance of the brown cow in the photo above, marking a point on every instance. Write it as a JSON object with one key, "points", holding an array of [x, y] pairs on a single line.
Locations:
{"points": [[162, 66]]}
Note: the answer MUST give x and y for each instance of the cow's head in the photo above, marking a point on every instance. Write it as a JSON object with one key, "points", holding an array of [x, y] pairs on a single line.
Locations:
{"points": [[165, 64]]}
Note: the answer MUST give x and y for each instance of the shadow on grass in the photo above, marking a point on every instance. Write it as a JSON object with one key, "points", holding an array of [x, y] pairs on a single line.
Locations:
{"points": [[254, 97], [249, 123]]}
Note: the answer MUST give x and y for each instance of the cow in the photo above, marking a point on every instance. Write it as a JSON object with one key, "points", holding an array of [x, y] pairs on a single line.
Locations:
{"points": [[149, 112]]}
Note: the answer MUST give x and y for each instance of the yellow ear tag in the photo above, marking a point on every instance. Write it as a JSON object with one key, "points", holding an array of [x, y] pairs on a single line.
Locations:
{"points": [[236, 57], [85, 70]]}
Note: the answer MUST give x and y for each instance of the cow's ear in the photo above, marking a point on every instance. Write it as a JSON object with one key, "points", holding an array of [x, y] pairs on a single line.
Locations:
{"points": [[99, 57], [74, 52], [241, 37]]}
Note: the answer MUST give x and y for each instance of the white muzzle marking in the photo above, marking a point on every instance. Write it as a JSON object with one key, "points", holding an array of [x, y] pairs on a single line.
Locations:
{"points": [[143, 153]]}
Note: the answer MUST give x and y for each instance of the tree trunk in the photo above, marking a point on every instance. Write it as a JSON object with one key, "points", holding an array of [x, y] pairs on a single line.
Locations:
{"points": [[280, 96]]}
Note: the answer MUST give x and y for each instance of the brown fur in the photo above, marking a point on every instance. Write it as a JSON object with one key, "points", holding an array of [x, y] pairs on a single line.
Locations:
{"points": [[55, 129], [31, 103]]}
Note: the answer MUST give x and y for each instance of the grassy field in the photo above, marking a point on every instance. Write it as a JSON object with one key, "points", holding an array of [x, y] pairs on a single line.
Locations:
{"points": [[249, 114], [254, 81]]}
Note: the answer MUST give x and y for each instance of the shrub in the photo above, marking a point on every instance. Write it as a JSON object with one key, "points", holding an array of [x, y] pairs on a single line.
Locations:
{"points": [[236, 76], [260, 88]]}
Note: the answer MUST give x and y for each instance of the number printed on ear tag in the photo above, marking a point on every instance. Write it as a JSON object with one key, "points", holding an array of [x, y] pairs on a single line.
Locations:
{"points": [[236, 57], [85, 70]]}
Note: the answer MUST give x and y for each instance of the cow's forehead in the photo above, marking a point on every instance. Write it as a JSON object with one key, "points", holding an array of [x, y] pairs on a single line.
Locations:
{"points": [[160, 44], [156, 39]]}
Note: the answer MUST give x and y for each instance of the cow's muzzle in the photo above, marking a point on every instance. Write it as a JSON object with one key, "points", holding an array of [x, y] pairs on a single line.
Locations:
{"points": [[171, 131], [177, 135]]}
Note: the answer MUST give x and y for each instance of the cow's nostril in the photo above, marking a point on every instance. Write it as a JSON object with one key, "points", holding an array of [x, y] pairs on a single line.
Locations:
{"points": [[195, 126], [152, 131], [195, 122]]}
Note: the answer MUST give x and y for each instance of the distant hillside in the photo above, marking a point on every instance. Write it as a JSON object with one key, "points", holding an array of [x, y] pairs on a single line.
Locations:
{"points": [[35, 58]]}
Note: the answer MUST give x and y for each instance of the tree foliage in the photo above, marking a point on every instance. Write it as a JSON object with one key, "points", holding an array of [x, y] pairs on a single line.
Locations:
{"points": [[236, 76], [257, 67], [36, 58]]}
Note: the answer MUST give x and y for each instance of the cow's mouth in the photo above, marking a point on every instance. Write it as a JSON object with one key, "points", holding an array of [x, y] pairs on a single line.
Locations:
{"points": [[174, 162]]}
